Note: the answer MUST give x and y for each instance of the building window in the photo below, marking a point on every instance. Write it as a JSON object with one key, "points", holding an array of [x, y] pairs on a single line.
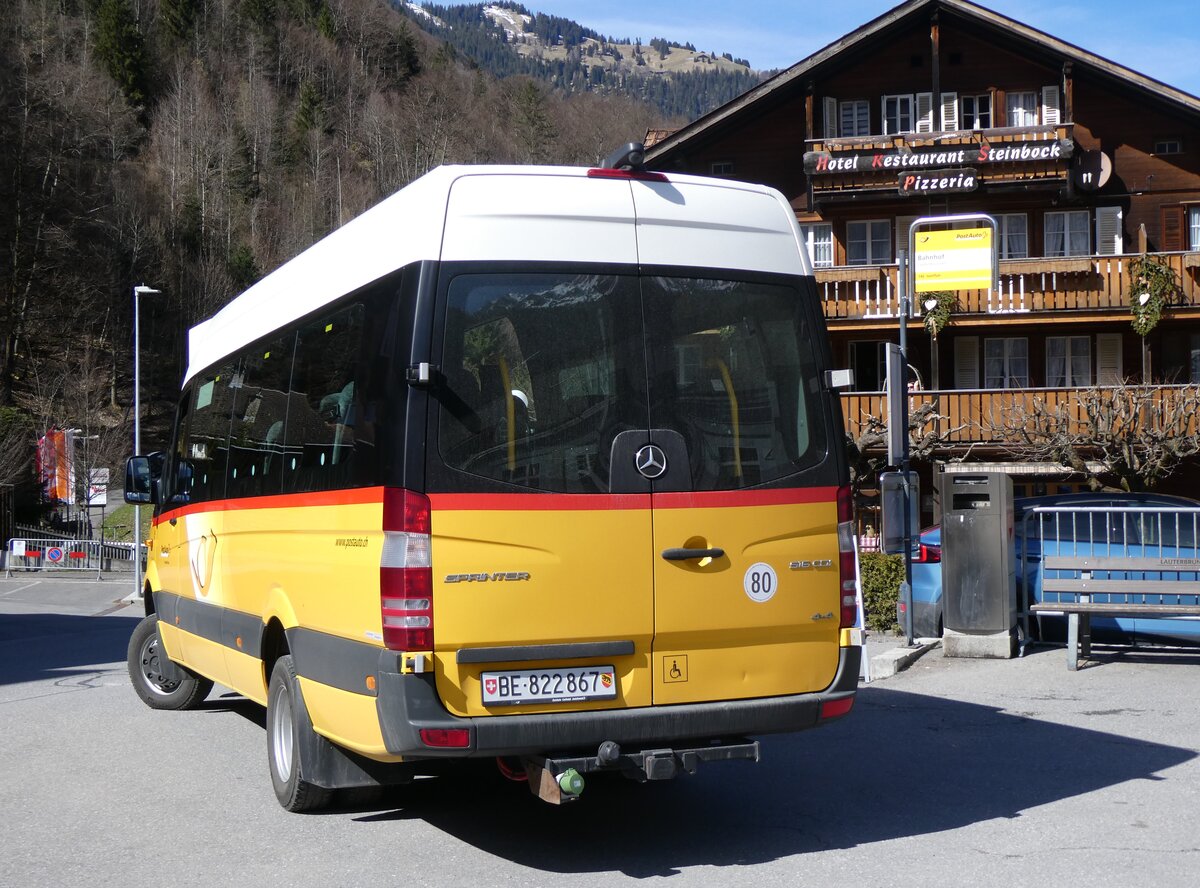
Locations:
{"points": [[721, 168], [867, 360], [977, 112], [897, 114], [856, 118], [1022, 109], [819, 240], [869, 243], [1173, 145], [1068, 361], [1068, 234], [1006, 363], [1194, 228], [1014, 235]]}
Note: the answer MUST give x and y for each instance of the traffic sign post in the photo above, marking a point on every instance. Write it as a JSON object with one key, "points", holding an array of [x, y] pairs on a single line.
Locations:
{"points": [[944, 253]]}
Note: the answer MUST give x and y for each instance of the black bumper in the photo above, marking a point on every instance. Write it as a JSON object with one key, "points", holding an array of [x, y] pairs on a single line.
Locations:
{"points": [[409, 703]]}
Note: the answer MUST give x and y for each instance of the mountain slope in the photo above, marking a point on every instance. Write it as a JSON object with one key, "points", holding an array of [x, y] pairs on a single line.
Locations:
{"points": [[506, 39]]}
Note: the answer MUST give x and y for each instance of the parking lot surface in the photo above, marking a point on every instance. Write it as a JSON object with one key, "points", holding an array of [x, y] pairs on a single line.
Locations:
{"points": [[1012, 772]]}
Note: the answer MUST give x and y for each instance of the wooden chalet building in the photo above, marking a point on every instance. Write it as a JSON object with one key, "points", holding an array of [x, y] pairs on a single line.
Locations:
{"points": [[943, 107]]}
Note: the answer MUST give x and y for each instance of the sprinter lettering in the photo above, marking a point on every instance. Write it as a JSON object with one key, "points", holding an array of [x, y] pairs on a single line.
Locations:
{"points": [[498, 577]]}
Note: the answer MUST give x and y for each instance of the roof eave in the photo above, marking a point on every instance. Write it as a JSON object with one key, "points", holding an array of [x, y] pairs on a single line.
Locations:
{"points": [[786, 78]]}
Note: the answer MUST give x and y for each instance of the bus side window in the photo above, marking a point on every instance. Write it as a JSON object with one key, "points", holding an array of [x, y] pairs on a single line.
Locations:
{"points": [[259, 411], [319, 436], [206, 440]]}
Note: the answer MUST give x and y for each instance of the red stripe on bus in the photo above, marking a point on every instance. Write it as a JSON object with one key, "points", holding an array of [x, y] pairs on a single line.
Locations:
{"points": [[523, 502], [718, 499], [565, 502], [355, 497], [537, 502]]}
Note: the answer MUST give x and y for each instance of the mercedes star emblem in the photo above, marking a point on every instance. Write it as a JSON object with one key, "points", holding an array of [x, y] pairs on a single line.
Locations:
{"points": [[651, 462]]}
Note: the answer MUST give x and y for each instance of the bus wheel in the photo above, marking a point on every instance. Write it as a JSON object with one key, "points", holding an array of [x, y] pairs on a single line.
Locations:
{"points": [[287, 719], [161, 683]]}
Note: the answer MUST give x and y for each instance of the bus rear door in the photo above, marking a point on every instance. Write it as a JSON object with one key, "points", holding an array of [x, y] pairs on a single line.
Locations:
{"points": [[541, 539], [746, 566]]}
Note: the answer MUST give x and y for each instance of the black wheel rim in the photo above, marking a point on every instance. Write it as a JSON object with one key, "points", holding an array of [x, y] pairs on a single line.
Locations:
{"points": [[152, 664]]}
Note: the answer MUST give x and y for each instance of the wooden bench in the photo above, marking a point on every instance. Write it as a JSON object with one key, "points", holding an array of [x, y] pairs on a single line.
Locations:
{"points": [[1143, 598]]}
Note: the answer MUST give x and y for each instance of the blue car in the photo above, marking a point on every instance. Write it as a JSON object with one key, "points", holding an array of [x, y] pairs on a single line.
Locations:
{"points": [[927, 584], [1055, 537]]}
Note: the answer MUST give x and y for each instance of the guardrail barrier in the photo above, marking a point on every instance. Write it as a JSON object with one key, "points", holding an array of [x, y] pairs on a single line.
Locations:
{"points": [[23, 555]]}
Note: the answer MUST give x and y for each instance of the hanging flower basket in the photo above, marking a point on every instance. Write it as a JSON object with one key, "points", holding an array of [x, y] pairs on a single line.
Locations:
{"points": [[938, 317], [1153, 286]]}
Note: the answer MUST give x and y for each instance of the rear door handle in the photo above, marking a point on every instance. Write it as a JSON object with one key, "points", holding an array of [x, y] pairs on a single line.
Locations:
{"points": [[688, 554]]}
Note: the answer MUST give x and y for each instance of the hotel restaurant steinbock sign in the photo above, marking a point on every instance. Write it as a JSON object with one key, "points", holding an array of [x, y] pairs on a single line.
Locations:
{"points": [[940, 169]]}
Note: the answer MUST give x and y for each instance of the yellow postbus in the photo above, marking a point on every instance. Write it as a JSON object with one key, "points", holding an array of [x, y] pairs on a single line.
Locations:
{"points": [[540, 464]]}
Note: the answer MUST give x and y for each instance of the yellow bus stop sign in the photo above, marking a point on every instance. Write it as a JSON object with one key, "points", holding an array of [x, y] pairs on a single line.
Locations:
{"points": [[953, 260]]}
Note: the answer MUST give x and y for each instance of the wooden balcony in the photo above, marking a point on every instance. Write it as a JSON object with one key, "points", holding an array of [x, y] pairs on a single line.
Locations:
{"points": [[966, 417], [1005, 136], [1027, 286]]}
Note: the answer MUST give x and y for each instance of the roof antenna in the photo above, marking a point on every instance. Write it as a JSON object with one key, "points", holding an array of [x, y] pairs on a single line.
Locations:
{"points": [[630, 156]]}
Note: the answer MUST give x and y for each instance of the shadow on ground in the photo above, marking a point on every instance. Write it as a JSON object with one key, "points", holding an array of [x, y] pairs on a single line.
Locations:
{"points": [[901, 765], [37, 646]]}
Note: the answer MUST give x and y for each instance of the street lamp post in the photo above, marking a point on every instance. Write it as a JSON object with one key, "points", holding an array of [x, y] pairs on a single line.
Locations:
{"points": [[139, 290]]}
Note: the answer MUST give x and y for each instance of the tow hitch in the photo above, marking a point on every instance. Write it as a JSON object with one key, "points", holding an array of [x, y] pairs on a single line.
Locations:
{"points": [[560, 779]]}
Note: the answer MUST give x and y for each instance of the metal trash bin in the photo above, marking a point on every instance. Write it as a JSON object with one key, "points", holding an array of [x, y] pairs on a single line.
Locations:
{"points": [[979, 577]]}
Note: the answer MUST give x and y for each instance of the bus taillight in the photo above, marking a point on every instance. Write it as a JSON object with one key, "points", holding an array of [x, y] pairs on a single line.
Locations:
{"points": [[849, 576], [406, 572]]}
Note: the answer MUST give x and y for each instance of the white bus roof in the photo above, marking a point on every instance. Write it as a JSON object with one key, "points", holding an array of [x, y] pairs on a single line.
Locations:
{"points": [[506, 213]]}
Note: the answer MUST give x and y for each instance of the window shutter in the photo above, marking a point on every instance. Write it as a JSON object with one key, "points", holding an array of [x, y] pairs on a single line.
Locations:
{"points": [[1051, 110], [902, 224], [831, 118], [1108, 359], [924, 112], [1172, 229], [949, 111], [1108, 231], [966, 362]]}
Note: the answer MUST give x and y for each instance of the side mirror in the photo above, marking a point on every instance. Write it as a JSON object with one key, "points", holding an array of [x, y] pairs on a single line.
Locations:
{"points": [[141, 486]]}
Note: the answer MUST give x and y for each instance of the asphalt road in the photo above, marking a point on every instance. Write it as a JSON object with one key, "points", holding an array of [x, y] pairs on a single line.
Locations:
{"points": [[952, 773]]}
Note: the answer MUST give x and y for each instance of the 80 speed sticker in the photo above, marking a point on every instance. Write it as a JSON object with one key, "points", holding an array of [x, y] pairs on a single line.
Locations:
{"points": [[760, 582]]}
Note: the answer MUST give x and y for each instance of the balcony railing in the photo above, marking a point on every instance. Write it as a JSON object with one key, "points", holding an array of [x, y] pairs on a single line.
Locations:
{"points": [[945, 138], [983, 416], [1078, 283]]}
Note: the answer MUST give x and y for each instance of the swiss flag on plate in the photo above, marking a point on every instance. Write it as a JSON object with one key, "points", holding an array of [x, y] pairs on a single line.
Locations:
{"points": [[489, 685]]}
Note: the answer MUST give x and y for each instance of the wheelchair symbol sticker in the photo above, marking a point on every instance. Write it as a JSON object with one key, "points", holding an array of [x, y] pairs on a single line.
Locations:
{"points": [[675, 668]]}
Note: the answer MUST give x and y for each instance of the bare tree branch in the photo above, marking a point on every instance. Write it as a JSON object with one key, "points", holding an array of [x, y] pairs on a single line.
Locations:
{"points": [[1122, 437]]}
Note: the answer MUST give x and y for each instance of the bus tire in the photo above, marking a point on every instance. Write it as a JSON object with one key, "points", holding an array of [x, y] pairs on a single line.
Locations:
{"points": [[287, 721], [161, 683]]}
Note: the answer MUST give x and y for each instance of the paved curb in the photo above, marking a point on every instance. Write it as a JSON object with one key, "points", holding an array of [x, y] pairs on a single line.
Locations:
{"points": [[888, 663]]}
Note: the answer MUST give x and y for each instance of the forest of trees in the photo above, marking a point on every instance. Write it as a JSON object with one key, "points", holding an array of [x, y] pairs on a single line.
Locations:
{"points": [[195, 145]]}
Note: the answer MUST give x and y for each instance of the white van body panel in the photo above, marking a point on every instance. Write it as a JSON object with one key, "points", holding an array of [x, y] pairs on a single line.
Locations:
{"points": [[754, 227], [505, 213], [539, 218], [400, 230]]}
